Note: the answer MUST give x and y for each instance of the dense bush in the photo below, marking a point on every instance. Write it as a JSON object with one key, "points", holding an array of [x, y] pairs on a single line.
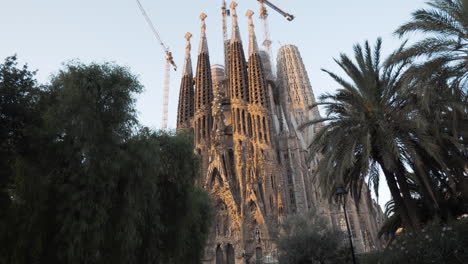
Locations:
{"points": [[309, 239], [434, 244]]}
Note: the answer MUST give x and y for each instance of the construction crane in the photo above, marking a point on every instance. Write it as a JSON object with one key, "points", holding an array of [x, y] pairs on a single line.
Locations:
{"points": [[266, 31], [225, 12], [169, 62], [288, 16]]}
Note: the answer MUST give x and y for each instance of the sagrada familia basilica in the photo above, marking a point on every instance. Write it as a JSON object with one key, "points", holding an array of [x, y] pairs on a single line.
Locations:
{"points": [[245, 120]]}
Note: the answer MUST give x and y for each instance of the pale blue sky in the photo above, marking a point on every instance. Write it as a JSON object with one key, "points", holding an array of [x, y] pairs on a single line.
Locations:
{"points": [[46, 33]]}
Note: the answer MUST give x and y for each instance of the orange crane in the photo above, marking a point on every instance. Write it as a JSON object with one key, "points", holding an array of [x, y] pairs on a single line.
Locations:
{"points": [[169, 62]]}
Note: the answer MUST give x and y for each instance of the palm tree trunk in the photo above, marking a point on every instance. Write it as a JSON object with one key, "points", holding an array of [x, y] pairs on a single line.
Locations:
{"points": [[396, 195], [436, 203], [407, 199]]}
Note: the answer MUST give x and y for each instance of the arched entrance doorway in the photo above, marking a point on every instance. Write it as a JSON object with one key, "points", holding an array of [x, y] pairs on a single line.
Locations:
{"points": [[219, 255], [230, 257], [258, 255]]}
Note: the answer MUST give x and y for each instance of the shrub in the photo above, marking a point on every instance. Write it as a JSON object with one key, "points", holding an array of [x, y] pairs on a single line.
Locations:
{"points": [[434, 244]]}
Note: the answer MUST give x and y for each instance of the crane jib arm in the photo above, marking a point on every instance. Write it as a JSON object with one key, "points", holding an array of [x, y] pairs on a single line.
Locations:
{"points": [[289, 17]]}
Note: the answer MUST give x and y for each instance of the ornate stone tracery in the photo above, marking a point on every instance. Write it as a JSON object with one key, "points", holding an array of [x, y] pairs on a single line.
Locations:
{"points": [[254, 157]]}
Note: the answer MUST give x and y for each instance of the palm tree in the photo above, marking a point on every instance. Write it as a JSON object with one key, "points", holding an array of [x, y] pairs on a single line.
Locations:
{"points": [[446, 46], [370, 126], [393, 220], [438, 85]]}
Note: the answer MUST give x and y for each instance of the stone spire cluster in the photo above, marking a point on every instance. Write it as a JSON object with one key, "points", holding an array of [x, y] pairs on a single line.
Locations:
{"points": [[254, 157]]}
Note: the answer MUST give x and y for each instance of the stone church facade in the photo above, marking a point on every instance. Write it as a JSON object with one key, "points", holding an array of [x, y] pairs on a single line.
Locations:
{"points": [[254, 158]]}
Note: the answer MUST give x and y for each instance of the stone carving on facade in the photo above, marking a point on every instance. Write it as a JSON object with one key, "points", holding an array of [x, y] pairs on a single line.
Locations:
{"points": [[254, 158]]}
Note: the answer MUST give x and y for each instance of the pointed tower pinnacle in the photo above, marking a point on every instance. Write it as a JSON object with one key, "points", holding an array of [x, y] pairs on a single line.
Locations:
{"points": [[257, 80], [235, 25], [253, 46], [203, 42], [186, 94], [203, 90], [187, 70], [238, 82]]}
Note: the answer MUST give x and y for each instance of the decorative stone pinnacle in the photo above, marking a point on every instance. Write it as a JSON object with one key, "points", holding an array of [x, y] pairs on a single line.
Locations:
{"points": [[249, 14], [253, 46], [235, 25], [203, 42], [187, 70], [203, 16], [233, 5]]}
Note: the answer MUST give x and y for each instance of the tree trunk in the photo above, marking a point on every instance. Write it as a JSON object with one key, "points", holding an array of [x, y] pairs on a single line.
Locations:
{"points": [[438, 206], [407, 199], [399, 204]]}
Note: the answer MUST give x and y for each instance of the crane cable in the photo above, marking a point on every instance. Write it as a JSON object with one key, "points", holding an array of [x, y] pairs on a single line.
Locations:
{"points": [[153, 28], [169, 57]]}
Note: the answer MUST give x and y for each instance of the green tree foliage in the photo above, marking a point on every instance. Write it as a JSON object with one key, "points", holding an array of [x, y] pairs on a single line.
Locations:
{"points": [[18, 105], [445, 46], [19, 123], [374, 122], [93, 187], [434, 244], [370, 127], [309, 239], [437, 83], [436, 87]]}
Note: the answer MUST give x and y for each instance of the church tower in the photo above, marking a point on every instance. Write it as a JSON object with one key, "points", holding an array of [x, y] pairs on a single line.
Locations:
{"points": [[203, 120], [253, 156], [239, 99], [186, 94]]}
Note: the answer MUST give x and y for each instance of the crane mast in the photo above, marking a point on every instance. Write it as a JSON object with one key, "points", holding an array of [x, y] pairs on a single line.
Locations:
{"points": [[225, 13], [169, 62], [266, 30]]}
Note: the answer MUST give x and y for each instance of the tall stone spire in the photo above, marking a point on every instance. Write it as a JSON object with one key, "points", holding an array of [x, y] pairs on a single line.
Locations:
{"points": [[186, 94], [237, 65], [225, 13], [257, 80], [203, 42], [258, 109], [203, 90], [235, 25], [187, 70], [253, 46]]}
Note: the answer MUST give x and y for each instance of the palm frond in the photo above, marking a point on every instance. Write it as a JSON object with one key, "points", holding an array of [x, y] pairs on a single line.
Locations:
{"points": [[431, 21]]}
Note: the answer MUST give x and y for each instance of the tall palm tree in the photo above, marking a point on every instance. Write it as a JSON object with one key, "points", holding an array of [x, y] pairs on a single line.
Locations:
{"points": [[439, 84], [370, 126]]}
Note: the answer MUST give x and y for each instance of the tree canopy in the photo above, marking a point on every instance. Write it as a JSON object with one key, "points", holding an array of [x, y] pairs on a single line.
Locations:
{"points": [[84, 182], [309, 239], [405, 116]]}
